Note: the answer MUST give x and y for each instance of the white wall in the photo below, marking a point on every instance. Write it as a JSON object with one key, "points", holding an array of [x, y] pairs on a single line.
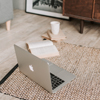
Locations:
{"points": [[19, 4]]}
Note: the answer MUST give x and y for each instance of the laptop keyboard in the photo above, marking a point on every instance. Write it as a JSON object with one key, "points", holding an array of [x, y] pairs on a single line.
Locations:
{"points": [[55, 81]]}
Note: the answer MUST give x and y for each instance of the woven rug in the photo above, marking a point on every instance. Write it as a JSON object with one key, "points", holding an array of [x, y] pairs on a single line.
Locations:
{"points": [[81, 61]]}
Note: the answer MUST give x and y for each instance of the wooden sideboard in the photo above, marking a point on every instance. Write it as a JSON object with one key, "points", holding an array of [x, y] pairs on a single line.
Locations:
{"points": [[83, 10]]}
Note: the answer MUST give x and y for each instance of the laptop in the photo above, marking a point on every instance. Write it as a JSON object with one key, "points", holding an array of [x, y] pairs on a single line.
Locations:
{"points": [[43, 72]]}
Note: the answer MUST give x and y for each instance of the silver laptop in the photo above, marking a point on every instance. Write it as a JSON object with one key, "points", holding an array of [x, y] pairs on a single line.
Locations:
{"points": [[45, 73]]}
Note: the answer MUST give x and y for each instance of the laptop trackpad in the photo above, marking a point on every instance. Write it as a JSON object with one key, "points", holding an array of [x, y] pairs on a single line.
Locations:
{"points": [[55, 69]]}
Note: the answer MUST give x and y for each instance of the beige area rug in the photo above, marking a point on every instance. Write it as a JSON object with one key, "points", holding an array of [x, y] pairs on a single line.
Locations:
{"points": [[81, 61]]}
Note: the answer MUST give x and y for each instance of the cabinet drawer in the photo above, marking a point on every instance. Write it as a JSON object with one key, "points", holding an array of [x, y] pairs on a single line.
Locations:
{"points": [[78, 7], [97, 11], [97, 15], [97, 1]]}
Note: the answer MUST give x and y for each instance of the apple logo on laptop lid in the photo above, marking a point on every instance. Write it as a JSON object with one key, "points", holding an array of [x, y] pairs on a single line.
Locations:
{"points": [[31, 68]]}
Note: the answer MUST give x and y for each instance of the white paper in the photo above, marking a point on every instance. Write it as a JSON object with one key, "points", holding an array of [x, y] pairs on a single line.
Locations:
{"points": [[40, 44], [45, 51]]}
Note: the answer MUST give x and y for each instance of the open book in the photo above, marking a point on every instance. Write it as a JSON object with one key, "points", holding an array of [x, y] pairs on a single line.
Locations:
{"points": [[43, 49]]}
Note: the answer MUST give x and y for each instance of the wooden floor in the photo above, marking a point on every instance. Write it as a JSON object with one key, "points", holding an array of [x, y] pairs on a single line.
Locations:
{"points": [[30, 27]]}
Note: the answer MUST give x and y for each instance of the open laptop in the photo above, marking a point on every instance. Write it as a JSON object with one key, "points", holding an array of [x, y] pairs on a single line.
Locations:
{"points": [[45, 73]]}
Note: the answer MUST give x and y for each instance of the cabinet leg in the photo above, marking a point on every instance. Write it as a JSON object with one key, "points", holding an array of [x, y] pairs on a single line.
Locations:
{"points": [[8, 25], [81, 26]]}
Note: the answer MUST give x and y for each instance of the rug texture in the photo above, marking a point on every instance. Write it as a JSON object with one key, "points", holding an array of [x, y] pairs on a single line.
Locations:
{"points": [[81, 61]]}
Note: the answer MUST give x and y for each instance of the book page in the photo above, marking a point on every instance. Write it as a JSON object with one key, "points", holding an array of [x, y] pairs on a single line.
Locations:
{"points": [[40, 44], [46, 51]]}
